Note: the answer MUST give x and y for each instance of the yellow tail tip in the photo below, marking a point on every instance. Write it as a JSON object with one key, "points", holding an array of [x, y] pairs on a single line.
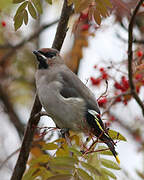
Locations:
{"points": [[117, 159]]}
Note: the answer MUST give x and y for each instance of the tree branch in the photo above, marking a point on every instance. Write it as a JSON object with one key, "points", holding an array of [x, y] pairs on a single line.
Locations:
{"points": [[130, 57], [62, 26], [33, 122]]}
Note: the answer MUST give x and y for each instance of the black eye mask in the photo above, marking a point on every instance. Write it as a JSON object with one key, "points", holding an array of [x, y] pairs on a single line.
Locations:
{"points": [[48, 54]]}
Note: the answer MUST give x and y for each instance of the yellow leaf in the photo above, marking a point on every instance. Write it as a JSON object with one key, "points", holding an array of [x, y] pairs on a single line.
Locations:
{"points": [[50, 146], [97, 17], [102, 9]]}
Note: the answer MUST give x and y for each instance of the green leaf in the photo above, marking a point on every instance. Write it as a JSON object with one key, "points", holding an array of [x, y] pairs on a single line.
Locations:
{"points": [[41, 159], [32, 10], [109, 164], [29, 174], [50, 146], [83, 175], [18, 21], [65, 160], [61, 177], [109, 173], [76, 152], [49, 1], [116, 135], [21, 8], [104, 152], [38, 6], [90, 168], [25, 13], [17, 1]]}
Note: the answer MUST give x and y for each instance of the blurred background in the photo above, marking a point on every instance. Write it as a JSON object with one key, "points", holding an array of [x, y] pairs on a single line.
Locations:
{"points": [[97, 54]]}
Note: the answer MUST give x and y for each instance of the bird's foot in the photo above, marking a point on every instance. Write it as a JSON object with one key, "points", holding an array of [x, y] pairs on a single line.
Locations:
{"points": [[64, 132]]}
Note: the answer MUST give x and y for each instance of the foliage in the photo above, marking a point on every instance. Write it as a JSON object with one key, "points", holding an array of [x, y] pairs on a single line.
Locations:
{"points": [[61, 161], [97, 9]]}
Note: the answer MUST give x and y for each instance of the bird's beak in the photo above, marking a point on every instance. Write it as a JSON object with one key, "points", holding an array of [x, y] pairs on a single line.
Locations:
{"points": [[40, 57], [36, 53]]}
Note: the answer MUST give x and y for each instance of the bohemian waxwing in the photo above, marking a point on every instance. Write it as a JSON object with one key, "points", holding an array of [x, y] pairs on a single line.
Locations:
{"points": [[66, 99]]}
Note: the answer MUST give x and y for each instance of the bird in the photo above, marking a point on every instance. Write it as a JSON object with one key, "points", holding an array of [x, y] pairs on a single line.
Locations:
{"points": [[66, 99]]}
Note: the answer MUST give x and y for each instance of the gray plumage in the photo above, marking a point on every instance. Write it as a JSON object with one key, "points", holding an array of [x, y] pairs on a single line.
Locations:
{"points": [[63, 95], [66, 99]]}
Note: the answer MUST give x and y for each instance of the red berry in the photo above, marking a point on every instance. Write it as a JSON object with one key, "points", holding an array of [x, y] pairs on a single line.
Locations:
{"points": [[105, 76], [3, 23], [85, 27], [102, 101], [139, 53], [137, 89], [95, 81], [101, 69], [125, 83], [112, 118], [138, 76], [118, 99], [83, 16], [117, 85], [95, 66], [125, 102]]}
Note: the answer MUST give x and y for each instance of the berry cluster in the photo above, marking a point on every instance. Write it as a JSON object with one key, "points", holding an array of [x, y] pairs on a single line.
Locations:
{"points": [[103, 76]]}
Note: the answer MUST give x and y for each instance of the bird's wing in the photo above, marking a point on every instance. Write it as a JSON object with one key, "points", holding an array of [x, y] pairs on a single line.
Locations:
{"points": [[74, 87]]}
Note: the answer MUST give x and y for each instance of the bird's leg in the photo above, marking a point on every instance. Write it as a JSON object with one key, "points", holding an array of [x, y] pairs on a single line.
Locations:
{"points": [[65, 134]]}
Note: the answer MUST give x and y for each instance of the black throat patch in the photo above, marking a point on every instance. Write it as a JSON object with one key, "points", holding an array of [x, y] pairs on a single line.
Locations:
{"points": [[42, 65]]}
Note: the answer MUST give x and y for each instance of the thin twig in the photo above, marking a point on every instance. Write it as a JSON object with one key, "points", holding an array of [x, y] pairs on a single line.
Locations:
{"points": [[130, 57], [113, 100], [11, 112], [33, 122], [11, 155], [104, 93]]}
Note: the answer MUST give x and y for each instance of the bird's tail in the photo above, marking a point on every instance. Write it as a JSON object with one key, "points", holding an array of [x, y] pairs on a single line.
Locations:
{"points": [[110, 143]]}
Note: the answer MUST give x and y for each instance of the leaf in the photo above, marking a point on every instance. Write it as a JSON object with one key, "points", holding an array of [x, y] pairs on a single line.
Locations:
{"points": [[21, 8], [81, 5], [102, 9], [97, 17], [32, 10], [17, 1], [61, 177], [18, 21], [49, 1], [38, 6], [109, 173], [62, 168], [104, 152], [29, 174], [41, 159], [116, 135], [25, 13], [109, 164], [107, 3], [83, 175], [50, 146], [70, 2], [65, 160], [90, 168], [76, 152]]}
